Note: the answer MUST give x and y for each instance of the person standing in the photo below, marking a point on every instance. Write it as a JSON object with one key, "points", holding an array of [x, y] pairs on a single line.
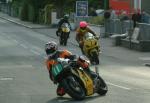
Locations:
{"points": [[136, 17]]}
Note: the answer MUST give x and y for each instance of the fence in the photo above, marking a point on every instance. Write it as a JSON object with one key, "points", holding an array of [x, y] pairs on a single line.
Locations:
{"points": [[120, 27], [7, 8]]}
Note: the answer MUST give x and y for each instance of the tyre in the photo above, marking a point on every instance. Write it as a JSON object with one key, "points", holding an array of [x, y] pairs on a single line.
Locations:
{"points": [[74, 88], [102, 87], [61, 39], [65, 43], [65, 38], [57, 33], [94, 58]]}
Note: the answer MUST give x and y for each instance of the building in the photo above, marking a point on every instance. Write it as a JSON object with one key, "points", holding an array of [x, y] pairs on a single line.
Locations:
{"points": [[126, 5]]}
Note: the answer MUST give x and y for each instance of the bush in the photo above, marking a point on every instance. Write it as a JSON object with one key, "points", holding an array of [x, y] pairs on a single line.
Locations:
{"points": [[98, 20], [31, 13], [24, 12], [15, 8]]}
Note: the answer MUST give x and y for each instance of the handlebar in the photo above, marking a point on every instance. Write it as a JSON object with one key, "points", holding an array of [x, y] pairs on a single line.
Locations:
{"points": [[64, 61]]}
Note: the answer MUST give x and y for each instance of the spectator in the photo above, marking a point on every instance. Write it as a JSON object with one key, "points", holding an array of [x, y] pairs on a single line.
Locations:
{"points": [[113, 14], [124, 16], [144, 17], [139, 17], [136, 17], [110, 14], [107, 14]]}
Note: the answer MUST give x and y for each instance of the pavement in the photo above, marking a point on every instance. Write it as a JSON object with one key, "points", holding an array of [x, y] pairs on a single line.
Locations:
{"points": [[107, 46], [22, 23]]}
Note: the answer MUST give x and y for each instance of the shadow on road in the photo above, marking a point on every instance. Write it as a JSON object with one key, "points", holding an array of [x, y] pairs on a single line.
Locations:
{"points": [[70, 100]]}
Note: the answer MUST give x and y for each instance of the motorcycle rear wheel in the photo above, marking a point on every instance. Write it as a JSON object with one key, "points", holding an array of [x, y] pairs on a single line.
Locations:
{"points": [[65, 38], [60, 41], [94, 58]]}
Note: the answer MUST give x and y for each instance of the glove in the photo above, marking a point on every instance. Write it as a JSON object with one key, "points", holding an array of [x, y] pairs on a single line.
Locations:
{"points": [[62, 60], [66, 60]]}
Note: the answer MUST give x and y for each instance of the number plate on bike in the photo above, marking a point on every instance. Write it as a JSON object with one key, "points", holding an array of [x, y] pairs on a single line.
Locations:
{"points": [[56, 69]]}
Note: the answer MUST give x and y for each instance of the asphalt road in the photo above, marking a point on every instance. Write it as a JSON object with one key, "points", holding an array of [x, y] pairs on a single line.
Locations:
{"points": [[24, 78]]}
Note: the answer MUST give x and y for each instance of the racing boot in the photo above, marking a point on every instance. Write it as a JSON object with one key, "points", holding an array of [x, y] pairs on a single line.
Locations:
{"points": [[60, 91]]}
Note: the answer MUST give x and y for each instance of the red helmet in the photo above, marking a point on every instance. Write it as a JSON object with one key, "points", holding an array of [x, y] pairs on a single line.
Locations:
{"points": [[83, 24]]}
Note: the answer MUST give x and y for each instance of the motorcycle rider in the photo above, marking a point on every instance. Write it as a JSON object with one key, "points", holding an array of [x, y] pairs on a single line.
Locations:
{"points": [[81, 31], [53, 54], [63, 20]]}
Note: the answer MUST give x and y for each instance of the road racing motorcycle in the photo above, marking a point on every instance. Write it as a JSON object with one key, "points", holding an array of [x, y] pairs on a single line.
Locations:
{"points": [[76, 82], [91, 47], [64, 34]]}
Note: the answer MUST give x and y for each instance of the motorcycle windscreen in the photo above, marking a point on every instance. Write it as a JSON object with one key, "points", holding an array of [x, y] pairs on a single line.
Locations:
{"points": [[65, 27], [56, 69], [88, 36], [65, 30]]}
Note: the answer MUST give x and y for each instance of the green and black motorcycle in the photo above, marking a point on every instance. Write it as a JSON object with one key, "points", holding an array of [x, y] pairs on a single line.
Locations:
{"points": [[76, 82]]}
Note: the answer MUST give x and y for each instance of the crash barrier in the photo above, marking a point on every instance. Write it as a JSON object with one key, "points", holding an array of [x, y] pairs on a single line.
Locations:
{"points": [[116, 26], [121, 27], [133, 41], [125, 35]]}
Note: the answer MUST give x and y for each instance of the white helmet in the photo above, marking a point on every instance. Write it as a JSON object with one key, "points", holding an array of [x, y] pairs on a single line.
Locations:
{"points": [[51, 47]]}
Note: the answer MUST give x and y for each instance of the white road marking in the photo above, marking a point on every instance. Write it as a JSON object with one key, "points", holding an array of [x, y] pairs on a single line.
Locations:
{"points": [[2, 21], [5, 78], [144, 58], [35, 52], [16, 66], [122, 87], [143, 71], [24, 46], [15, 41], [37, 48]]}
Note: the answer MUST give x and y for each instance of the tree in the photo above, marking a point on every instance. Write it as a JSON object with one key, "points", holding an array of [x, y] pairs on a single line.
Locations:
{"points": [[62, 6], [96, 4], [3, 1]]}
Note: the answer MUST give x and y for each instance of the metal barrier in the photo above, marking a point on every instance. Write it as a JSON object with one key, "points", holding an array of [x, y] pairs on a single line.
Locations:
{"points": [[116, 26], [144, 31], [120, 27]]}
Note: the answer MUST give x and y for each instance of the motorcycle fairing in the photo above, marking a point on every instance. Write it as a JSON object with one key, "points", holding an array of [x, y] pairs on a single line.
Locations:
{"points": [[56, 69], [90, 43], [65, 28], [87, 81]]}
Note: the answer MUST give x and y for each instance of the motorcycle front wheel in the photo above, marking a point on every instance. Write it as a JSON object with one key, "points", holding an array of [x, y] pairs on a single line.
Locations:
{"points": [[102, 86], [74, 88]]}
